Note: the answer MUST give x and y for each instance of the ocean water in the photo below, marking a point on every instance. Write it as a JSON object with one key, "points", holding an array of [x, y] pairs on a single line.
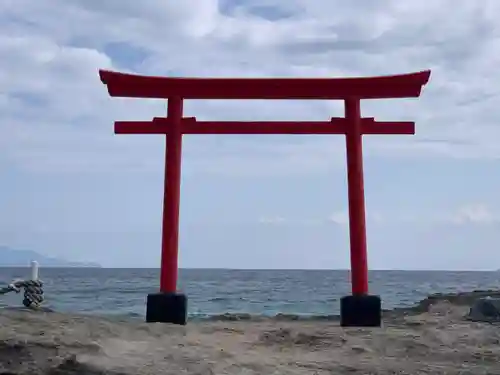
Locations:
{"points": [[213, 292]]}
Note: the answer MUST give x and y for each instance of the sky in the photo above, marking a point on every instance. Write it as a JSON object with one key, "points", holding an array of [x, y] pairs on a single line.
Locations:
{"points": [[71, 188]]}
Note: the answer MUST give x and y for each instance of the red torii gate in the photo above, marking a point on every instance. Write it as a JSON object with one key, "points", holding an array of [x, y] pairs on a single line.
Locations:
{"points": [[358, 309]]}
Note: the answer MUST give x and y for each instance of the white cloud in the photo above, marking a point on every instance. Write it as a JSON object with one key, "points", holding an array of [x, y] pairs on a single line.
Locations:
{"points": [[280, 220], [340, 217], [50, 55], [473, 214], [477, 213], [274, 220]]}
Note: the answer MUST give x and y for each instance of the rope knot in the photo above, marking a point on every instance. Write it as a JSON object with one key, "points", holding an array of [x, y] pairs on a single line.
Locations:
{"points": [[33, 293]]}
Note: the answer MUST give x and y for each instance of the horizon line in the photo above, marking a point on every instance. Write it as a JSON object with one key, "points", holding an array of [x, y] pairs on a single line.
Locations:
{"points": [[256, 269]]}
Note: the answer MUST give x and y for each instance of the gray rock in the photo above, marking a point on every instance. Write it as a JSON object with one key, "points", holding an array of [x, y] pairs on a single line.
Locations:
{"points": [[486, 309]]}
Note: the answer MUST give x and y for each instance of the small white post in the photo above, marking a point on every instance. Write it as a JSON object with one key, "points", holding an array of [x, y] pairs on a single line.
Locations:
{"points": [[34, 270]]}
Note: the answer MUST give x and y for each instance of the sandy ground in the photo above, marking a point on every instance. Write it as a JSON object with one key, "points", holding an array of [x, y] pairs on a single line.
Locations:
{"points": [[432, 338]]}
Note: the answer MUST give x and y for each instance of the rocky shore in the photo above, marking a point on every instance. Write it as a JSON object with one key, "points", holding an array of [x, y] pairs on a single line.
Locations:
{"points": [[431, 338]]}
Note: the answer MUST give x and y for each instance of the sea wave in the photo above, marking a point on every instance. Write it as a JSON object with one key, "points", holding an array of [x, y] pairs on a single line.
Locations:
{"points": [[459, 299]]}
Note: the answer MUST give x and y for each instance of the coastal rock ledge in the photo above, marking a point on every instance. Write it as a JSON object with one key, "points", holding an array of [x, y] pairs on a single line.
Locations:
{"points": [[433, 337]]}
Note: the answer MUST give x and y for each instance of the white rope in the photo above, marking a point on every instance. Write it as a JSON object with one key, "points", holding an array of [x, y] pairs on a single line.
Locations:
{"points": [[33, 292]]}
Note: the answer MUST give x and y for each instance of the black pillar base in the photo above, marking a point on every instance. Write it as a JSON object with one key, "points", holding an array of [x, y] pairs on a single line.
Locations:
{"points": [[166, 308], [360, 311]]}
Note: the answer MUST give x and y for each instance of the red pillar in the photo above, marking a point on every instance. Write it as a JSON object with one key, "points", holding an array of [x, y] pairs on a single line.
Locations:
{"points": [[356, 191], [171, 198]]}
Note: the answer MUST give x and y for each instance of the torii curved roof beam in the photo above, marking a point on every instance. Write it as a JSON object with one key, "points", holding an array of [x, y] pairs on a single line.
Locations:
{"points": [[139, 86]]}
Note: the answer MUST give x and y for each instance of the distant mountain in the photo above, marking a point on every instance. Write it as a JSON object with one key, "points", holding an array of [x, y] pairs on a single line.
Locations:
{"points": [[22, 258]]}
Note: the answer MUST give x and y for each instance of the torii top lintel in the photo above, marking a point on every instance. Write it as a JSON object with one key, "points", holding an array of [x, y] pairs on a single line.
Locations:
{"points": [[139, 86]]}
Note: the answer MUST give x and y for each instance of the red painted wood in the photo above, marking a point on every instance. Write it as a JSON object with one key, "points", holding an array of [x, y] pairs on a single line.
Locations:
{"points": [[171, 199], [356, 195], [137, 86], [161, 125]]}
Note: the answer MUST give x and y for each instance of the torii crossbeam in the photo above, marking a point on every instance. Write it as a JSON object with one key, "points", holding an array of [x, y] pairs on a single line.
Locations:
{"points": [[358, 309]]}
